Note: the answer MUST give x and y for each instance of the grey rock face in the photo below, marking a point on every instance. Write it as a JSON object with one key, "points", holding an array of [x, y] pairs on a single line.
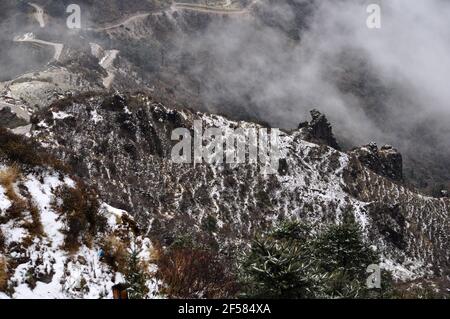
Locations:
{"points": [[385, 161], [319, 130], [11, 117]]}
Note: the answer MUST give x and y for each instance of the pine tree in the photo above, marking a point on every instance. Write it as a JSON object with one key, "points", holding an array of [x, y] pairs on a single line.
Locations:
{"points": [[291, 262], [341, 248], [342, 253], [136, 277], [278, 265]]}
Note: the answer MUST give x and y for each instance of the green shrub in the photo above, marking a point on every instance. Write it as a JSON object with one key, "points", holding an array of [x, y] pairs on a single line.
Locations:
{"points": [[279, 265], [136, 276], [209, 224], [341, 248]]}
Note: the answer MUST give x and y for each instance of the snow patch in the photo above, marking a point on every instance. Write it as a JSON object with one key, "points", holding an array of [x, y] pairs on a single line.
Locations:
{"points": [[409, 270], [113, 215], [96, 117], [5, 203], [61, 115], [13, 233], [42, 196]]}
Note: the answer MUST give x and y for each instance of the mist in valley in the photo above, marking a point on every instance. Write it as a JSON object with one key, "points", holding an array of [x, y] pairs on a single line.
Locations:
{"points": [[283, 59], [386, 85]]}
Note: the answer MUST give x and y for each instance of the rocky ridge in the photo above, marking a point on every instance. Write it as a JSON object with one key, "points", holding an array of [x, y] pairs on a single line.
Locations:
{"points": [[122, 144]]}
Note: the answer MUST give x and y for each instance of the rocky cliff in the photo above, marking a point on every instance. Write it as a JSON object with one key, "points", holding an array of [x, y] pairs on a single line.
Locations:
{"points": [[122, 145]]}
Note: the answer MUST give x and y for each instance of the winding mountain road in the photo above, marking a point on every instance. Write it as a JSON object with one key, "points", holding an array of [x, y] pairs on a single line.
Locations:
{"points": [[29, 37], [112, 54], [123, 23], [210, 9], [224, 10], [38, 14]]}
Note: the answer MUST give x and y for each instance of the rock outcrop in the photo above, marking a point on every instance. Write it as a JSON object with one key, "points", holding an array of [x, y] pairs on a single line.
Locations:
{"points": [[319, 130], [12, 117], [385, 161]]}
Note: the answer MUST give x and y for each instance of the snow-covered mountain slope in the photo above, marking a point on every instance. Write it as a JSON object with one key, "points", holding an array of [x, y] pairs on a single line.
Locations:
{"points": [[122, 145], [35, 260]]}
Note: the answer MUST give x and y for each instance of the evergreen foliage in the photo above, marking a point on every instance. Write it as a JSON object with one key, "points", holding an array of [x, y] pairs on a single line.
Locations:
{"points": [[291, 262], [136, 277]]}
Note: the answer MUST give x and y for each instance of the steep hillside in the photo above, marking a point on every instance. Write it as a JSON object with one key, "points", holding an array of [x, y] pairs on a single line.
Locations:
{"points": [[57, 239], [90, 196], [122, 145]]}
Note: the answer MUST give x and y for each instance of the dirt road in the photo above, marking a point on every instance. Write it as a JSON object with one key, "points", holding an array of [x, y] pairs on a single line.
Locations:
{"points": [[226, 10], [39, 14], [208, 9], [123, 23], [29, 37]]}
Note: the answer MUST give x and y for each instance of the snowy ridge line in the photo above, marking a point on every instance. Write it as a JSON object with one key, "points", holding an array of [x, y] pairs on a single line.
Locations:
{"points": [[319, 183]]}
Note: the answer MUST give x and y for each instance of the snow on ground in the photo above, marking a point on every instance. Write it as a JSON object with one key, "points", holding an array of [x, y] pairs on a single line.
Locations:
{"points": [[54, 273], [112, 214], [409, 270], [89, 278], [4, 201], [61, 115], [42, 196], [96, 117], [13, 233], [46, 255]]}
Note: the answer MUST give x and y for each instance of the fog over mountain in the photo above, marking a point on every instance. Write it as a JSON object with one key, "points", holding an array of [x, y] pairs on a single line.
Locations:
{"points": [[387, 85], [278, 60], [93, 203]]}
